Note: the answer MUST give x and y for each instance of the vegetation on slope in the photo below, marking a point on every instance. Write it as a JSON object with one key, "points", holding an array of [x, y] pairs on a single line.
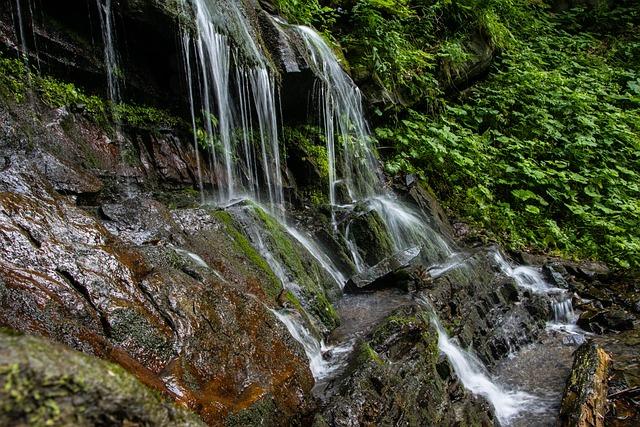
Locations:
{"points": [[543, 152]]}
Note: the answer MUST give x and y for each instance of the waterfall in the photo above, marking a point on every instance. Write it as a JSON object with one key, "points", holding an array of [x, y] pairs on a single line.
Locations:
{"points": [[23, 40], [563, 311], [348, 139], [340, 106], [529, 278], [235, 86], [315, 251], [323, 360], [186, 42], [110, 57], [507, 404]]}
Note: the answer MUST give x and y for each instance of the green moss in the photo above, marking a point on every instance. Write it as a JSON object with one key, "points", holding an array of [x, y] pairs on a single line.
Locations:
{"points": [[16, 81], [144, 117], [294, 301], [13, 79], [271, 285], [307, 274], [22, 391], [45, 384], [263, 412], [309, 140], [129, 325], [367, 353]]}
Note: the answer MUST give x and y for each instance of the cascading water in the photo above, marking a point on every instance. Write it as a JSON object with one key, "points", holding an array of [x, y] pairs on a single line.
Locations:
{"points": [[110, 56], [235, 86], [358, 172], [21, 31], [340, 106], [473, 375], [321, 366], [323, 359], [563, 312], [315, 251], [529, 278], [507, 404]]}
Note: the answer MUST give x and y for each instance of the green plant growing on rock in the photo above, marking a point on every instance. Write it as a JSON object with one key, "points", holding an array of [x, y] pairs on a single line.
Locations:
{"points": [[308, 275], [271, 285]]}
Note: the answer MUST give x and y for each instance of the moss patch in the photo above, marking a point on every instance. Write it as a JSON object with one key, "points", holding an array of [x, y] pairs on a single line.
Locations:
{"points": [[271, 285], [308, 274]]}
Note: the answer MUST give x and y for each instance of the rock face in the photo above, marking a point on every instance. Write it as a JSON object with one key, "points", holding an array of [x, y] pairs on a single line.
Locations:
{"points": [[585, 397], [370, 235], [42, 383], [397, 377], [132, 296], [392, 271], [177, 297]]}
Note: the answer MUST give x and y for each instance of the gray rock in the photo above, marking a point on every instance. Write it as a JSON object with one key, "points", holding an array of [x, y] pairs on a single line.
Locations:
{"points": [[388, 272], [573, 340]]}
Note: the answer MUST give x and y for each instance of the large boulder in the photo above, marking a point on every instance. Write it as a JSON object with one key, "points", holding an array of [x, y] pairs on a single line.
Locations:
{"points": [[485, 309], [393, 271], [196, 327], [42, 383], [397, 377]]}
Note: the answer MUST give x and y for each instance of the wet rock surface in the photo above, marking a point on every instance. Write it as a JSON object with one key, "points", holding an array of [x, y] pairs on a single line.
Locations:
{"points": [[105, 247], [393, 271], [42, 383], [394, 378], [485, 309], [174, 296], [585, 397]]}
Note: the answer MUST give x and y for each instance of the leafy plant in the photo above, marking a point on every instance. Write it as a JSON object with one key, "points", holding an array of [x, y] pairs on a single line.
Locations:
{"points": [[545, 153]]}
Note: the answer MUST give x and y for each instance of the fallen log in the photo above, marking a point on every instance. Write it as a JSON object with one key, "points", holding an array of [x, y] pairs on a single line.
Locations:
{"points": [[585, 395]]}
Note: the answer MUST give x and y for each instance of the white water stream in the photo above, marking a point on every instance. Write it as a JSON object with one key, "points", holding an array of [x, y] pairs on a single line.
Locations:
{"points": [[507, 404], [238, 106]]}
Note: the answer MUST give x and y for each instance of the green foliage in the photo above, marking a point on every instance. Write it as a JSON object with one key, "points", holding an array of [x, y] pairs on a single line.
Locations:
{"points": [[307, 12], [546, 151], [144, 117], [309, 140], [16, 82], [397, 47], [13, 78]]}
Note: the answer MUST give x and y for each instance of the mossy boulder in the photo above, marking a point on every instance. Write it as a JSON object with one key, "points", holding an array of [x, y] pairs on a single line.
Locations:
{"points": [[300, 272], [42, 384], [395, 378], [370, 235]]}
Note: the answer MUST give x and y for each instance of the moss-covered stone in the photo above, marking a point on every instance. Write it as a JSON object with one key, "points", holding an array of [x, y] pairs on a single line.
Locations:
{"points": [[46, 384], [314, 283], [271, 285], [393, 379], [368, 231]]}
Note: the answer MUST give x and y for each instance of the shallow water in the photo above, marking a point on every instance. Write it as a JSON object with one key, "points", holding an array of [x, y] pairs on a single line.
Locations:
{"points": [[541, 369]]}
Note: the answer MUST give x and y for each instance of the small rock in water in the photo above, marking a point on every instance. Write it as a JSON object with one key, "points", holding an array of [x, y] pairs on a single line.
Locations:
{"points": [[327, 355], [573, 340]]}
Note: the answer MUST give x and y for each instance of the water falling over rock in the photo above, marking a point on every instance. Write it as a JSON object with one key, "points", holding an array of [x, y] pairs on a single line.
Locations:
{"points": [[236, 87]]}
